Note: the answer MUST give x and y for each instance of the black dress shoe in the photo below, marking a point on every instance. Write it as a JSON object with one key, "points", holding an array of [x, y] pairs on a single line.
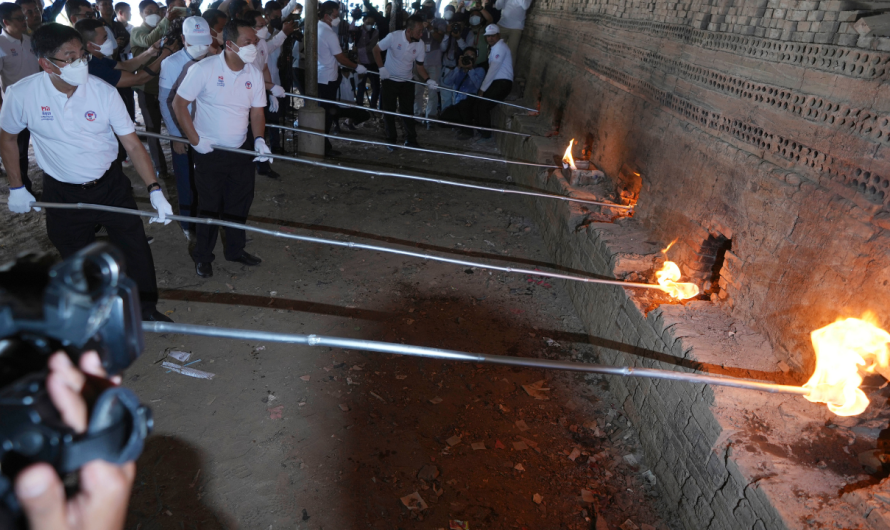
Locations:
{"points": [[204, 270], [156, 316], [246, 259], [409, 143], [272, 174]]}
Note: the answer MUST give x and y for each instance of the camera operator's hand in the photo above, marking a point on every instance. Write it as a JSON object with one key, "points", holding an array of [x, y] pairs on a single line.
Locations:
{"points": [[101, 503], [288, 27]]}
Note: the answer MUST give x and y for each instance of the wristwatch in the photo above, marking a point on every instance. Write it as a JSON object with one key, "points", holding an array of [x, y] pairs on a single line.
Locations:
{"points": [[153, 186]]}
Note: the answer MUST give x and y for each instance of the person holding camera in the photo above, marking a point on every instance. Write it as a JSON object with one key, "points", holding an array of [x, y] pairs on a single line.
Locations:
{"points": [[467, 78], [75, 121], [119, 74]]}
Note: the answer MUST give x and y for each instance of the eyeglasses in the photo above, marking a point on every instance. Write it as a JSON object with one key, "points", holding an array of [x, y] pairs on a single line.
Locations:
{"points": [[85, 58]]}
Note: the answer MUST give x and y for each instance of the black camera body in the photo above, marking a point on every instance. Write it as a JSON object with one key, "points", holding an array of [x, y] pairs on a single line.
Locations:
{"points": [[83, 303]]}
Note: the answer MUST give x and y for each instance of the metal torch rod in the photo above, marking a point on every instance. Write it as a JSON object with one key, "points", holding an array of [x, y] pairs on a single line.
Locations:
{"points": [[420, 149], [452, 355], [440, 87], [347, 244], [409, 116], [389, 174]]}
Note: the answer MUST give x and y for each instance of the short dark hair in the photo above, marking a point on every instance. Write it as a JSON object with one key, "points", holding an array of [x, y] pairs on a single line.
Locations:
{"points": [[212, 16], [233, 29], [88, 26], [20, 3], [144, 4], [73, 6], [412, 21], [215, 5], [7, 9], [251, 16], [327, 8], [235, 7], [120, 6], [271, 6], [48, 38]]}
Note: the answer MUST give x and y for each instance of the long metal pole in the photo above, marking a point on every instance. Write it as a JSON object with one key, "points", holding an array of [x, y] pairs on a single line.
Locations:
{"points": [[347, 244], [310, 43], [396, 175], [419, 149], [452, 355], [409, 116], [440, 87]]}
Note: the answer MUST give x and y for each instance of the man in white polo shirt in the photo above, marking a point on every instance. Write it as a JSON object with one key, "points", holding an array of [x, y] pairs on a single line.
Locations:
{"points": [[404, 50], [498, 81], [230, 95], [74, 118], [17, 61]]}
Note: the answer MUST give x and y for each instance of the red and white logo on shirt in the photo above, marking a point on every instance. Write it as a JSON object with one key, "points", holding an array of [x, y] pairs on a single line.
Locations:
{"points": [[220, 81], [90, 115], [248, 85]]}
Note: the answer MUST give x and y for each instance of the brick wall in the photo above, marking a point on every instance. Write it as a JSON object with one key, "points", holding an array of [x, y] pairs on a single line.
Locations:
{"points": [[764, 122]]}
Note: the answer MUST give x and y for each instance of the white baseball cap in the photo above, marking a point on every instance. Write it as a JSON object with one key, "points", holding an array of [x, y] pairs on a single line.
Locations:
{"points": [[491, 29], [196, 30]]}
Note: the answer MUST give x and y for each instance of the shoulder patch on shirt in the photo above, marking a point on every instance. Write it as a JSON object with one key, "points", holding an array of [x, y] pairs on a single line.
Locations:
{"points": [[90, 115], [220, 81], [45, 113]]}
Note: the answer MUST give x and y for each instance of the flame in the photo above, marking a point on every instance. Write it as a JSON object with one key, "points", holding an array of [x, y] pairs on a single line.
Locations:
{"points": [[841, 348], [567, 159], [668, 278]]}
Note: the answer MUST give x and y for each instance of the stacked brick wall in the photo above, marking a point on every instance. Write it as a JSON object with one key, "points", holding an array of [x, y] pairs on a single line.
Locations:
{"points": [[765, 122]]}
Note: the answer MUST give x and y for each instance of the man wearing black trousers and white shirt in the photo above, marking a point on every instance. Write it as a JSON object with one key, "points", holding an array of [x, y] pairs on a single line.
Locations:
{"points": [[74, 118], [230, 93], [498, 81], [403, 50]]}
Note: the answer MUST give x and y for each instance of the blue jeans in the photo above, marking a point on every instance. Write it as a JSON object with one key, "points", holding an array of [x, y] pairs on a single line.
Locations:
{"points": [[182, 168]]}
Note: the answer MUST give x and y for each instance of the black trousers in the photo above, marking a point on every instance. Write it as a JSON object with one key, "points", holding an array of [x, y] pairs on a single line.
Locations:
{"points": [[300, 80], [22, 140], [72, 230], [225, 184], [333, 112], [375, 86], [151, 113], [401, 93], [498, 90]]}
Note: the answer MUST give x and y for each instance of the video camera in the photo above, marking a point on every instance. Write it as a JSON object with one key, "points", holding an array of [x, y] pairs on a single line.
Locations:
{"points": [[83, 303]]}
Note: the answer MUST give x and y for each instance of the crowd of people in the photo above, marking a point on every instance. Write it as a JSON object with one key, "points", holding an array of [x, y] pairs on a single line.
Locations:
{"points": [[216, 77]]}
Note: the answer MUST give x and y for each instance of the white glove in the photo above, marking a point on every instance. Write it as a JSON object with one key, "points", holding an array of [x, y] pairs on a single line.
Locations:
{"points": [[361, 70], [278, 91], [432, 84], [203, 146], [273, 104], [384, 73], [20, 200], [259, 145], [160, 204]]}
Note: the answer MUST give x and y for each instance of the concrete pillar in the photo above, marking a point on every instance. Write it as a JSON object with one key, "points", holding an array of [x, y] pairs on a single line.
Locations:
{"points": [[311, 115]]}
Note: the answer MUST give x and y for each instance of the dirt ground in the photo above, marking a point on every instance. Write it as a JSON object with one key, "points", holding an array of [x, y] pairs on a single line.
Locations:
{"points": [[305, 437]]}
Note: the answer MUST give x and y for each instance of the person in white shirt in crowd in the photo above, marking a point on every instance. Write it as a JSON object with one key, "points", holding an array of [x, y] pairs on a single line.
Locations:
{"points": [[264, 48], [17, 61], [229, 95], [297, 52], [404, 50], [498, 80], [512, 22], [33, 18], [434, 29], [330, 57], [196, 40], [276, 33], [123, 12], [75, 121], [216, 19], [451, 50]]}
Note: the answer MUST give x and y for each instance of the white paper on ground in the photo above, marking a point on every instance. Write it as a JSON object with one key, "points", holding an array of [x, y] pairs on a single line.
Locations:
{"points": [[181, 356], [191, 372]]}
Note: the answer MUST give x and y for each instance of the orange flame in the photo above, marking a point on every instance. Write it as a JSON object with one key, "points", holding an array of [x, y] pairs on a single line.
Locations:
{"points": [[841, 349], [668, 278], [567, 159]]}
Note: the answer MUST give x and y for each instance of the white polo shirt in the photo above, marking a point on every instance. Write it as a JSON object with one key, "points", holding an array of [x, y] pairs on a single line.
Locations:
{"points": [[328, 47], [401, 54], [171, 73], [74, 138], [500, 64], [17, 61], [224, 99], [264, 50]]}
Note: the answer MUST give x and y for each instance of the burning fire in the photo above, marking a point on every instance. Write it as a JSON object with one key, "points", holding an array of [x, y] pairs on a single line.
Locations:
{"points": [[841, 349], [567, 159], [668, 278]]}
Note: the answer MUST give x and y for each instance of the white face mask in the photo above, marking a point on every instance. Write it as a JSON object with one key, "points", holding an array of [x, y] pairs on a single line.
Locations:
{"points": [[75, 74], [263, 33], [247, 53], [335, 22], [152, 20], [107, 47], [474, 21], [197, 51], [448, 15], [219, 39]]}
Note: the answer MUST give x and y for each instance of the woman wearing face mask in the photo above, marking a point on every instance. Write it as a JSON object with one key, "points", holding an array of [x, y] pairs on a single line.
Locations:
{"points": [[196, 41]]}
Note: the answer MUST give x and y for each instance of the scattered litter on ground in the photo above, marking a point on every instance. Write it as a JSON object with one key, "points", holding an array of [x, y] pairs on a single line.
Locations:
{"points": [[628, 525], [344, 407], [191, 372], [454, 524], [631, 460], [305, 377], [587, 495], [538, 498], [428, 473], [519, 467], [454, 440], [519, 446], [436, 400], [378, 397], [477, 446], [537, 390], [650, 477], [276, 413], [521, 425], [499, 445], [401, 377], [414, 502], [181, 356], [574, 454]]}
